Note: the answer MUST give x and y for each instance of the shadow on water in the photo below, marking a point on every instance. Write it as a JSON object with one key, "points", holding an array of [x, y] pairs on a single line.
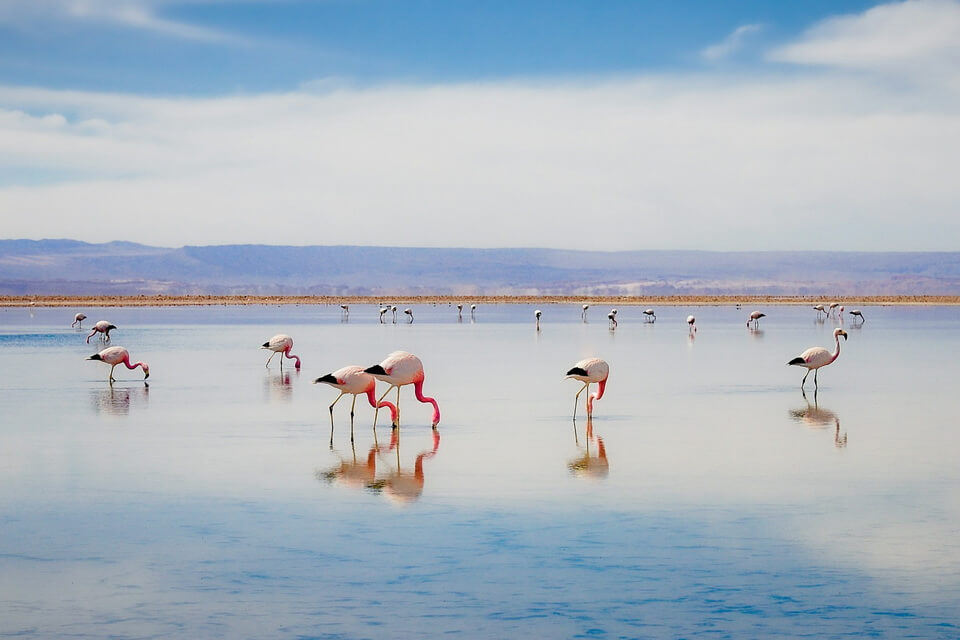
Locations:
{"points": [[117, 401], [817, 417], [593, 463]]}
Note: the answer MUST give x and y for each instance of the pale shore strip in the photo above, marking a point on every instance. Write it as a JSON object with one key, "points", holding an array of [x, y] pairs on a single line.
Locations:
{"points": [[645, 301]]}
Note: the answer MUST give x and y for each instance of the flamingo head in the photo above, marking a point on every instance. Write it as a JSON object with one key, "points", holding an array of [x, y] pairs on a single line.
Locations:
{"points": [[146, 370], [840, 332]]}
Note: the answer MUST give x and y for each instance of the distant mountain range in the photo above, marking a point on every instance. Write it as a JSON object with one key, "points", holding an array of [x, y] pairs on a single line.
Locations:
{"points": [[70, 267]]}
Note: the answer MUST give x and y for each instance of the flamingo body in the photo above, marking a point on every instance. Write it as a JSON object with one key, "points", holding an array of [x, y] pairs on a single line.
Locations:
{"points": [[103, 327], [78, 320], [118, 355], [589, 371], [816, 357], [400, 369], [755, 318], [282, 344], [857, 314], [353, 380]]}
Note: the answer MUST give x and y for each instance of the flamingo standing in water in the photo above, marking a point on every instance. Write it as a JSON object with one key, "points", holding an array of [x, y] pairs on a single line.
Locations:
{"points": [[394, 310], [819, 309], [612, 317], [354, 381], [816, 357], [280, 343], [755, 318], [589, 371], [692, 322], [473, 311], [117, 355], [78, 320], [103, 327], [383, 310], [459, 312], [345, 309], [857, 314], [536, 314], [400, 369], [832, 308], [583, 314], [650, 316], [409, 312]]}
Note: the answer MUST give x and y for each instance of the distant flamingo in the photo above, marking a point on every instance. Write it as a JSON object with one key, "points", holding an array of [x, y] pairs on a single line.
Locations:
{"points": [[345, 309], [459, 312], [692, 322], [819, 309], [280, 343], [589, 371], [117, 355], [614, 312], [473, 310], [78, 320], [583, 314], [832, 308], [354, 381], [409, 312], [383, 310], [755, 318], [612, 317], [816, 357], [650, 315], [536, 314], [103, 327], [400, 369], [394, 310], [857, 314]]}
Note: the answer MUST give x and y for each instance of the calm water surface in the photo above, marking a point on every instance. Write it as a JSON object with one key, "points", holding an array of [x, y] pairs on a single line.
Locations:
{"points": [[707, 498]]}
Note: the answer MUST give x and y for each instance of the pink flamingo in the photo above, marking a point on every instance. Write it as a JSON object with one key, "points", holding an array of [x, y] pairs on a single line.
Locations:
{"points": [[755, 318], [816, 357], [116, 355], [353, 380], [649, 315], [819, 309], [589, 371], [399, 369], [103, 327], [856, 313], [692, 322], [280, 343], [78, 320]]}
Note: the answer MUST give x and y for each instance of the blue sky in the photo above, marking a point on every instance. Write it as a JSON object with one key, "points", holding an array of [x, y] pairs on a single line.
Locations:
{"points": [[714, 125]]}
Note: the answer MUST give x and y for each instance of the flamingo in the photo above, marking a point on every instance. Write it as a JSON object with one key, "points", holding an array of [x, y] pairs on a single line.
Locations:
{"points": [[857, 314], [459, 312], [650, 315], [816, 357], [589, 371], [583, 314], [536, 314], [612, 317], [345, 309], [280, 343], [409, 312], [819, 309], [833, 307], [383, 310], [116, 355], [755, 318], [693, 324], [394, 310], [354, 381], [78, 320], [473, 310], [399, 369], [103, 327]]}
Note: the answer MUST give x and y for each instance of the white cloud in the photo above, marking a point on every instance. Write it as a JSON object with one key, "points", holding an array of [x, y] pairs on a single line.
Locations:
{"points": [[134, 14], [914, 35], [730, 44]]}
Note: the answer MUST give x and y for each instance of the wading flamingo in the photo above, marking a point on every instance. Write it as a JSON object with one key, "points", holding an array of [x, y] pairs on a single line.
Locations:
{"points": [[589, 371], [103, 327], [459, 312], [650, 316], [755, 318], [692, 322], [393, 309], [583, 314], [280, 343], [536, 314], [345, 309], [832, 308], [78, 320], [612, 317], [383, 310], [117, 355], [409, 312], [816, 357], [400, 369], [857, 314], [819, 309], [354, 381], [473, 311]]}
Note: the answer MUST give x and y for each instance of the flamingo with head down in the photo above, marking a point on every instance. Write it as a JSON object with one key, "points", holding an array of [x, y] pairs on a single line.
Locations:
{"points": [[589, 371], [281, 343], [102, 327], [118, 355], [398, 370], [78, 320], [352, 380]]}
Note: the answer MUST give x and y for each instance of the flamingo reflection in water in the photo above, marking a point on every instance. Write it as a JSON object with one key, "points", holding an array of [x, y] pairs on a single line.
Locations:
{"points": [[278, 388], [116, 401], [399, 486], [816, 417], [351, 472], [590, 464]]}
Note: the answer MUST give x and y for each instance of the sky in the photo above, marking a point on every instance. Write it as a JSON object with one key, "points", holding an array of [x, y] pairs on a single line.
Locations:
{"points": [[739, 125]]}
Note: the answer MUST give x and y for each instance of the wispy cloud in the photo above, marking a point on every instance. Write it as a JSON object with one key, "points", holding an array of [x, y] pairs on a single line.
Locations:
{"points": [[144, 15], [914, 35], [730, 44]]}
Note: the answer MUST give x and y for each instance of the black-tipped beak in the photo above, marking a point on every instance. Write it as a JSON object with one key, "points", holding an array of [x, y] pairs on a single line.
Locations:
{"points": [[95, 356], [376, 370], [577, 371], [327, 378], [146, 376], [265, 345]]}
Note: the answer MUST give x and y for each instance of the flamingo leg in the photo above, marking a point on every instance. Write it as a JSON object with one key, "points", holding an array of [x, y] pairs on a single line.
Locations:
{"points": [[269, 359], [576, 400], [331, 415], [804, 379], [111, 379], [398, 408], [352, 407], [816, 372]]}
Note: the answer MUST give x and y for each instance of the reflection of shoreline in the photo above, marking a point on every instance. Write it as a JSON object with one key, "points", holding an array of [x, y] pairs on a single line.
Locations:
{"points": [[118, 400], [817, 417], [591, 464]]}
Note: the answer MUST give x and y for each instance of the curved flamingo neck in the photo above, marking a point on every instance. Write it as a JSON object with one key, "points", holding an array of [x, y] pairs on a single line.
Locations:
{"points": [[418, 391], [596, 395], [287, 353], [372, 399], [836, 354], [126, 361]]}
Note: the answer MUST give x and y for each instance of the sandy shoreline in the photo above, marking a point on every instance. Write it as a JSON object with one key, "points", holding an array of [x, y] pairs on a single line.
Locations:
{"points": [[182, 301]]}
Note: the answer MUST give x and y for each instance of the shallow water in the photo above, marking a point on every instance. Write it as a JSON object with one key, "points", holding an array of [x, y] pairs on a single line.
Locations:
{"points": [[710, 498]]}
